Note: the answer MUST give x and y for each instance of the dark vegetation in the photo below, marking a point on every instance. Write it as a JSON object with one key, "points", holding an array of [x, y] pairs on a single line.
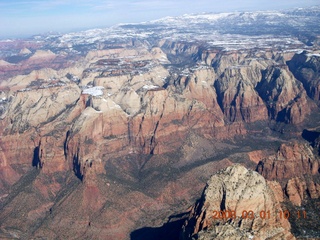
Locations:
{"points": [[302, 227]]}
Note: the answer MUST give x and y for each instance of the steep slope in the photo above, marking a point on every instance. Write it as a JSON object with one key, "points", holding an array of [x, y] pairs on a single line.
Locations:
{"points": [[236, 204], [290, 160], [306, 68], [295, 167]]}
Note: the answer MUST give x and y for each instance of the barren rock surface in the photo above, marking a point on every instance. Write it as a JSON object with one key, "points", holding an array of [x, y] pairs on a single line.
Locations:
{"points": [[240, 190], [291, 160]]}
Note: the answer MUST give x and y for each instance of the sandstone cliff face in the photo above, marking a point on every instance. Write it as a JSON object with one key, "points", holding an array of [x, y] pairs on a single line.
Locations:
{"points": [[143, 104], [236, 189], [254, 86], [306, 68], [295, 165], [239, 100], [33, 126], [182, 51], [285, 96], [238, 75], [291, 160], [300, 188]]}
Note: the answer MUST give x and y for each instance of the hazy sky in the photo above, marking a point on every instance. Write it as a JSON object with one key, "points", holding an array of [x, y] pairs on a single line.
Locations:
{"points": [[28, 17]]}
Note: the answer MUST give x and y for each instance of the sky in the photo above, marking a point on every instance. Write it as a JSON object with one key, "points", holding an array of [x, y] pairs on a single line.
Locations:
{"points": [[23, 18]]}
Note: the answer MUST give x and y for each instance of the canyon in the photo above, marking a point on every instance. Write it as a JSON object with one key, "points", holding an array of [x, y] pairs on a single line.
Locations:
{"points": [[117, 138]]}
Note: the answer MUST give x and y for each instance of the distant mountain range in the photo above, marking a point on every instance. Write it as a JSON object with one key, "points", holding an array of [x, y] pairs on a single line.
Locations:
{"points": [[234, 30], [206, 27]]}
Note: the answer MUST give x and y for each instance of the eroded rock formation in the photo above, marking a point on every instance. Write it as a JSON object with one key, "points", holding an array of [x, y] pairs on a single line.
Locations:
{"points": [[236, 191], [80, 117], [306, 68], [293, 159], [296, 166]]}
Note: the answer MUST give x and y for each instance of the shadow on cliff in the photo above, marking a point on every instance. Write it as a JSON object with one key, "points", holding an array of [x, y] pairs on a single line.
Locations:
{"points": [[36, 162], [169, 231], [310, 136]]}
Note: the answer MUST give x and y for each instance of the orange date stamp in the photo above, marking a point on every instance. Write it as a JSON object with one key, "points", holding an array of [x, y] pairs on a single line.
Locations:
{"points": [[229, 214]]}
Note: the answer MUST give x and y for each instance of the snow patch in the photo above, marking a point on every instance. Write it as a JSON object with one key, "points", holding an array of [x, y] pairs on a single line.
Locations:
{"points": [[94, 91], [313, 54], [150, 87]]}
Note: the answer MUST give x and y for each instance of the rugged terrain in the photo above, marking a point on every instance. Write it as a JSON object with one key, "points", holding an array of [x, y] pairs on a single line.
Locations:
{"points": [[240, 191], [113, 133]]}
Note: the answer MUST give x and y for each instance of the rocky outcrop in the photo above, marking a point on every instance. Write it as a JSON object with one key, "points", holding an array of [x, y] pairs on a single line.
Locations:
{"points": [[277, 190], [301, 188], [222, 212], [306, 68], [295, 166], [291, 160], [284, 95], [256, 156], [41, 55], [33, 129], [4, 64], [252, 87], [181, 52], [25, 51], [238, 98]]}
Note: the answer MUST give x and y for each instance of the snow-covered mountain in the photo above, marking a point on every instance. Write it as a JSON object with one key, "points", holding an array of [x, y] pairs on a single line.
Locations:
{"points": [[206, 26], [235, 30]]}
